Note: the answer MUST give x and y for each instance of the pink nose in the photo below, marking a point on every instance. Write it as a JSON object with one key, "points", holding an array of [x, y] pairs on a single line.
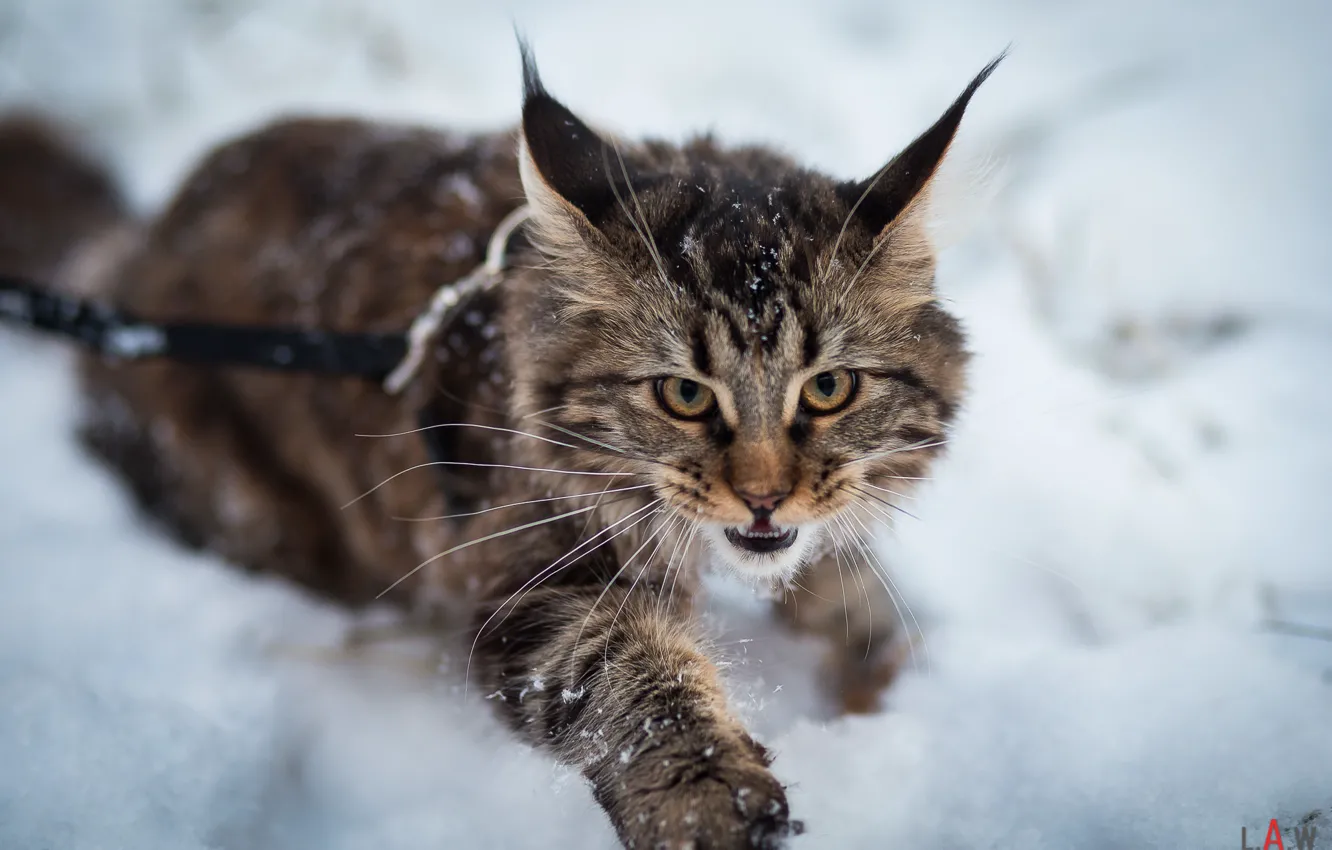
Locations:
{"points": [[765, 502]]}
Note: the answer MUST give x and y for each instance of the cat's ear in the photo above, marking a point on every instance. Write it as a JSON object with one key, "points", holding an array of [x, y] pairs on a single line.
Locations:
{"points": [[566, 167], [900, 186]]}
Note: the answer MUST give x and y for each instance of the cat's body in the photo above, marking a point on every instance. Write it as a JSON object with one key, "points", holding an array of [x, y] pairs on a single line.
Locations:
{"points": [[327, 224], [689, 339]]}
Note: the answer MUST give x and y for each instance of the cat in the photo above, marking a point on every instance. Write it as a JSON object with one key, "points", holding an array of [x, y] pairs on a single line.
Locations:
{"points": [[696, 352]]}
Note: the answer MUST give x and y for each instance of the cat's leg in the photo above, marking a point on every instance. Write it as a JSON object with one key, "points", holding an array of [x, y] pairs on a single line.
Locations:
{"points": [[841, 599], [613, 680]]}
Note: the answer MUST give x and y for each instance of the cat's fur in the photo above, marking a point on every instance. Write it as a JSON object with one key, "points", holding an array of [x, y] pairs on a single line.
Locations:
{"points": [[733, 267]]}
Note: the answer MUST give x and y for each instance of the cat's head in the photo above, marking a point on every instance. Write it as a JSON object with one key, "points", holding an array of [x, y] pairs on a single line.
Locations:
{"points": [[759, 342]]}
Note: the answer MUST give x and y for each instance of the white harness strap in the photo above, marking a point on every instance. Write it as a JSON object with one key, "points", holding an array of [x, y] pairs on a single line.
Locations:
{"points": [[426, 326]]}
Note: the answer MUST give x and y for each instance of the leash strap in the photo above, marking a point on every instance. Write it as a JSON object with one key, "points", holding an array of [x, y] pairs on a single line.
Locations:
{"points": [[119, 335], [392, 359]]}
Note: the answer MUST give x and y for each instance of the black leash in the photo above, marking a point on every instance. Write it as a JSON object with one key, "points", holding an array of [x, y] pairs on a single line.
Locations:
{"points": [[389, 359], [120, 335]]}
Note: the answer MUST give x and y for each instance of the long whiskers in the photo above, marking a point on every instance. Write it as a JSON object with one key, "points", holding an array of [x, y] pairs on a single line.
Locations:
{"points": [[568, 559], [515, 598], [544, 411], [881, 573], [886, 490], [832, 258], [598, 494], [483, 466], [917, 446], [869, 610], [483, 539], [594, 442], [841, 579], [468, 425], [605, 659], [667, 525], [855, 544], [683, 552], [867, 494], [643, 233], [589, 440]]}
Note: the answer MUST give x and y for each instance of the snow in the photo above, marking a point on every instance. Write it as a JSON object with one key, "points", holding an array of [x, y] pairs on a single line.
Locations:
{"points": [[1142, 480]]}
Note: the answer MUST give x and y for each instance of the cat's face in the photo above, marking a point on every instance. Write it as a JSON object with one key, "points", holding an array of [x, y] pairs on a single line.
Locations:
{"points": [[759, 343]]}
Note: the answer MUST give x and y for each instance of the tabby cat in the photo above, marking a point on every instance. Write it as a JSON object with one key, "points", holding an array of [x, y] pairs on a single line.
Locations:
{"points": [[697, 350]]}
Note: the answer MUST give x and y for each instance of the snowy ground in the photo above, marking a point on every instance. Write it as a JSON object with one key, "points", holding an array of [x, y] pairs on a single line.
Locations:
{"points": [[1143, 480]]}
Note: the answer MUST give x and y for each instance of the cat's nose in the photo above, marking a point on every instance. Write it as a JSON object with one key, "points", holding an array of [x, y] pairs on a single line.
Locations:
{"points": [[762, 504]]}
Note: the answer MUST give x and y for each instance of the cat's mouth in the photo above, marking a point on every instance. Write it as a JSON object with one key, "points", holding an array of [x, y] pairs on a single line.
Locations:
{"points": [[762, 537]]}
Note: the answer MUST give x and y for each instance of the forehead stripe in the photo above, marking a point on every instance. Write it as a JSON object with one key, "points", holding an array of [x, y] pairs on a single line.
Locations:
{"points": [[811, 343], [702, 358]]}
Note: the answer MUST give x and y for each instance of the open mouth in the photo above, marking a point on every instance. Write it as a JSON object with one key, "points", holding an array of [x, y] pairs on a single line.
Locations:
{"points": [[761, 537]]}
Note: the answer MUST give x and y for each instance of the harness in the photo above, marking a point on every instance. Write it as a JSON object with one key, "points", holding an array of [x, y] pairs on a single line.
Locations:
{"points": [[389, 359]]}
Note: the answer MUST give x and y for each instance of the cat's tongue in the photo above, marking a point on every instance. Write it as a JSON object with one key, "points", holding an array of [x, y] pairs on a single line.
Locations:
{"points": [[761, 526]]}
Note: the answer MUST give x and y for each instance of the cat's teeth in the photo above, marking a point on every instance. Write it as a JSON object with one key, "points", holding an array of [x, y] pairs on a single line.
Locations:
{"points": [[772, 538]]}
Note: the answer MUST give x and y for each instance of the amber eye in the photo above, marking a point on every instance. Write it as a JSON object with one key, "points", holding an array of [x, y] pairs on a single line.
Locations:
{"points": [[828, 392], [685, 399]]}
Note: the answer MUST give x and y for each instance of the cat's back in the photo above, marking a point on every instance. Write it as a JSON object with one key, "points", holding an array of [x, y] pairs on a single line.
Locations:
{"points": [[332, 223], [328, 224]]}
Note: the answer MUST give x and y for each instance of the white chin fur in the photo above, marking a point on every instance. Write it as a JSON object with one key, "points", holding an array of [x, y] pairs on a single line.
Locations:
{"points": [[771, 565]]}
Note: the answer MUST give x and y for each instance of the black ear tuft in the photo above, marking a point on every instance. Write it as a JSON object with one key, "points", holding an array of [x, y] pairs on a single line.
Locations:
{"points": [[878, 201], [571, 158], [531, 77]]}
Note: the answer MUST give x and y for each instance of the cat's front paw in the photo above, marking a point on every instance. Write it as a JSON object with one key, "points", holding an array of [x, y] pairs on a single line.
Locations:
{"points": [[718, 797]]}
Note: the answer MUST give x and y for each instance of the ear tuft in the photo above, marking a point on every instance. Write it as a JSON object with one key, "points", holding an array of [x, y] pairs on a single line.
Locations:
{"points": [[532, 86], [574, 164], [879, 201]]}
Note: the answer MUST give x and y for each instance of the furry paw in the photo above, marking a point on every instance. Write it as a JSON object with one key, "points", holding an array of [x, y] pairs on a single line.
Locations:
{"points": [[719, 797]]}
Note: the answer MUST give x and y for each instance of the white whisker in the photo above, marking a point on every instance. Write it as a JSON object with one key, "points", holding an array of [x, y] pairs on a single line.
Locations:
{"points": [[878, 512], [644, 233], [891, 587], [567, 558], [910, 448], [668, 523], [517, 504], [886, 490], [605, 659], [666, 573], [543, 411], [482, 466], [866, 553], [579, 436], [483, 539], [841, 579], [515, 598], [680, 566], [866, 494], [587, 523], [468, 425], [832, 258]]}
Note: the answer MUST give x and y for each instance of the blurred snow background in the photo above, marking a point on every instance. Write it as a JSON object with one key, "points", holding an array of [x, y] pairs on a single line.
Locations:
{"points": [[1142, 483]]}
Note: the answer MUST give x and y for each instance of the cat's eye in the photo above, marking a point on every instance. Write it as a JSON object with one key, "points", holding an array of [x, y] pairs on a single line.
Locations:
{"points": [[828, 392], [685, 399]]}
